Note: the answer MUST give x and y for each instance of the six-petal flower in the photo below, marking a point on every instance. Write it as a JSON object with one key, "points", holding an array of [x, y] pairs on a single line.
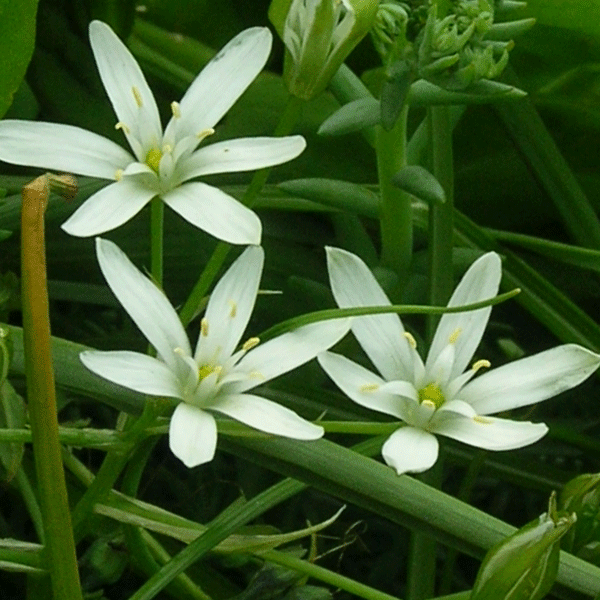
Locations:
{"points": [[215, 377], [162, 163], [437, 397]]}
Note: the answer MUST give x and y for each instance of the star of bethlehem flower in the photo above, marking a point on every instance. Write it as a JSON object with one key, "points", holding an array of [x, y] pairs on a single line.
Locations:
{"points": [[440, 396], [162, 162], [215, 377]]}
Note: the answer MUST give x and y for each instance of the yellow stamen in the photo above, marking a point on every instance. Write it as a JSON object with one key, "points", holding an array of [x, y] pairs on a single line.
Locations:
{"points": [[411, 340], [431, 394], [454, 335], [153, 159], [201, 135], [118, 174], [481, 364], [204, 327], [123, 127], [137, 96], [250, 343], [175, 110], [232, 309], [369, 387]]}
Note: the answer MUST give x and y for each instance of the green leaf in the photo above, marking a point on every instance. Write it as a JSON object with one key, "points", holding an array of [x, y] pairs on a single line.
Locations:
{"points": [[419, 182], [524, 565], [17, 39], [354, 116], [132, 511]]}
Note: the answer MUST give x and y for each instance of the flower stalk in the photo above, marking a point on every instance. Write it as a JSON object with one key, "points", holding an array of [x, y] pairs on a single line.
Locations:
{"points": [[58, 534], [441, 222], [395, 204]]}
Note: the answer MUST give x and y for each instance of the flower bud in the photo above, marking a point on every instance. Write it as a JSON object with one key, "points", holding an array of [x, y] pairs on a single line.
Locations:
{"points": [[524, 565], [318, 36], [581, 495]]}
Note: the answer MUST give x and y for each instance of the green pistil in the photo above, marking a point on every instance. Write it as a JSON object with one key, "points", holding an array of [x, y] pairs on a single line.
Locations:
{"points": [[153, 159], [432, 393]]}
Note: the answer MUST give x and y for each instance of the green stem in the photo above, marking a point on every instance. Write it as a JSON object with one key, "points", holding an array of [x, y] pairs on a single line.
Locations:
{"points": [[395, 204], [287, 121], [420, 582], [464, 494], [111, 468], [41, 394], [339, 581], [441, 223], [157, 209], [231, 519]]}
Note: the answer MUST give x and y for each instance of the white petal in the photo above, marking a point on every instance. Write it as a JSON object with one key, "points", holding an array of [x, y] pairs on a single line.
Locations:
{"points": [[213, 211], [229, 308], [127, 89], [360, 385], [246, 154], [61, 148], [489, 433], [220, 83], [135, 371], [192, 435], [480, 282], [410, 450], [267, 416], [290, 350], [530, 380], [144, 302], [381, 336], [109, 208]]}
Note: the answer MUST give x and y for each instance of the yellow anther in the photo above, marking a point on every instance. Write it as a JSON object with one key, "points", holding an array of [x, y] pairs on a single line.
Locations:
{"points": [[167, 149], [153, 159], [137, 96], [411, 339], [454, 335], [232, 309], [204, 327], [481, 364], [250, 343], [482, 420], [431, 394], [118, 174], [201, 135], [123, 127], [205, 371], [175, 110], [369, 387]]}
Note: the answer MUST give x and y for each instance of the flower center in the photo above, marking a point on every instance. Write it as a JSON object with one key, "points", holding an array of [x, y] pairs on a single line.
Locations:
{"points": [[153, 159], [432, 394], [205, 370]]}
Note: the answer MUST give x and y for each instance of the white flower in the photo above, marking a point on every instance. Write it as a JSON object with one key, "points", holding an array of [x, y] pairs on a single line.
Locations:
{"points": [[161, 162], [215, 377], [438, 397]]}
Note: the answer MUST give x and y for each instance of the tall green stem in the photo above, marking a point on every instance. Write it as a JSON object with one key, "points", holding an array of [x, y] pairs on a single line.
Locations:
{"points": [[157, 209], [441, 223], [395, 207], [59, 544], [287, 121]]}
